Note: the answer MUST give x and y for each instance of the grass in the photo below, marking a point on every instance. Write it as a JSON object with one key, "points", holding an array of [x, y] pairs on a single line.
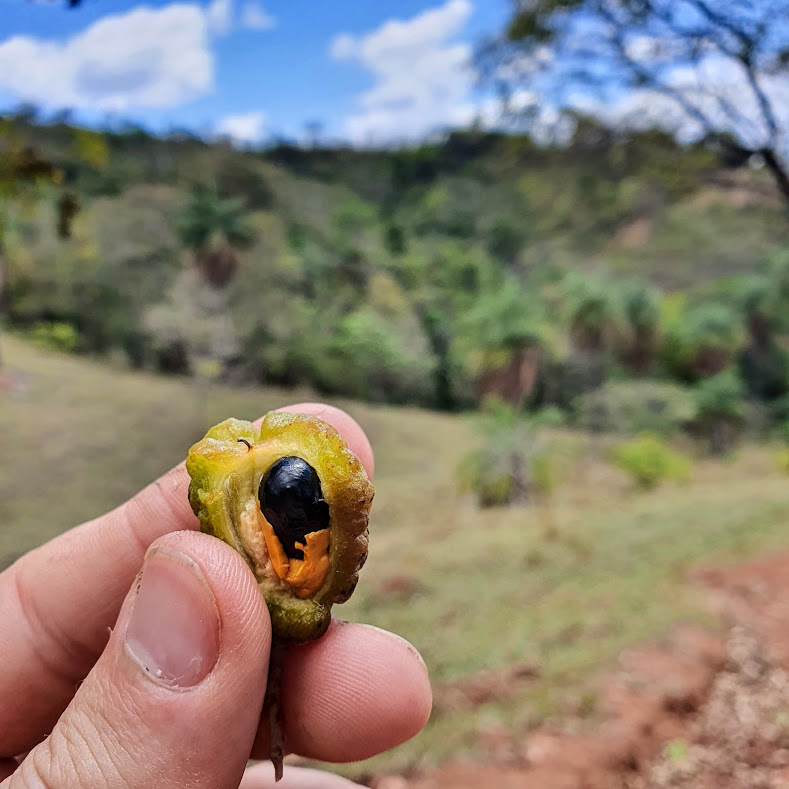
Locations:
{"points": [[486, 588]]}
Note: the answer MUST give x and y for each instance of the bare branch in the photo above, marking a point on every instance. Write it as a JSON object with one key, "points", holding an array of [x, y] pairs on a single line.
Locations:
{"points": [[745, 58]]}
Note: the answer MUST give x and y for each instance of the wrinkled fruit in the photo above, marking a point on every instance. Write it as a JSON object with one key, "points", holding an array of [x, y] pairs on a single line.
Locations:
{"points": [[294, 501]]}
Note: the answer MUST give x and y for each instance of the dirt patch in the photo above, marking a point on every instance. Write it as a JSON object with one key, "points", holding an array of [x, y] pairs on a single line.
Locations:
{"points": [[704, 712], [636, 235], [756, 594], [650, 701], [741, 736], [483, 688]]}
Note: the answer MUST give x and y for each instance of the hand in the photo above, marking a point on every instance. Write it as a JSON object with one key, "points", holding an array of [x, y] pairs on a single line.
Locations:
{"points": [[171, 696]]}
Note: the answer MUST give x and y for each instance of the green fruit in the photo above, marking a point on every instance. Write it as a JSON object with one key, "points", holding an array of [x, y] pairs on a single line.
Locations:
{"points": [[294, 501]]}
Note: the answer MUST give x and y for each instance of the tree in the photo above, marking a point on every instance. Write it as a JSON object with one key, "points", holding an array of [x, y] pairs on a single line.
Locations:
{"points": [[638, 335], [214, 228], [716, 66], [443, 283], [589, 312], [505, 335], [763, 362], [703, 341], [24, 176]]}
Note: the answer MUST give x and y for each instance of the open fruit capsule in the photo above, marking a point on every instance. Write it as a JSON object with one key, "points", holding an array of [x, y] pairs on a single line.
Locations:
{"points": [[294, 501]]}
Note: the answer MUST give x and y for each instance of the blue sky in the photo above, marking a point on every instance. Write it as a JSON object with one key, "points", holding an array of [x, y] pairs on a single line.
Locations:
{"points": [[367, 70]]}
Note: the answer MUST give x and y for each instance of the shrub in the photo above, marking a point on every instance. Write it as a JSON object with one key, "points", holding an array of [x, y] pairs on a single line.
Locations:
{"points": [[58, 336], [648, 460], [720, 410], [701, 341], [487, 476], [778, 415], [637, 407], [374, 358], [782, 460], [512, 465]]}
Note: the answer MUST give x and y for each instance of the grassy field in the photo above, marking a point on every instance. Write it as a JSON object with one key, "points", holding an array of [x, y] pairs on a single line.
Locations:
{"points": [[473, 590]]}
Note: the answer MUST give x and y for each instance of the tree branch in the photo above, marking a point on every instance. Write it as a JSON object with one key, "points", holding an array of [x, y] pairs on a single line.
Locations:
{"points": [[745, 59], [651, 79]]}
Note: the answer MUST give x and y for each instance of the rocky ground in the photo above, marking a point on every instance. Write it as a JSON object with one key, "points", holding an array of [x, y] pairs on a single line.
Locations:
{"points": [[706, 712]]}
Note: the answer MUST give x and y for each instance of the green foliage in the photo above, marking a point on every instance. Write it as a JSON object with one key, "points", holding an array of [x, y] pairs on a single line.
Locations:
{"points": [[213, 228], [639, 324], [759, 298], [407, 275], [58, 336], [637, 406], [779, 416], [640, 304], [512, 464], [720, 410], [720, 397], [589, 309], [395, 239], [206, 215], [244, 174], [777, 272], [676, 751], [505, 241], [702, 342], [505, 318], [368, 358], [648, 461], [781, 459]]}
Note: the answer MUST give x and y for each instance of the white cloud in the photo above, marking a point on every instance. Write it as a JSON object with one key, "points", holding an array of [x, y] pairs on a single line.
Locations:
{"points": [[423, 74], [147, 57], [243, 129], [255, 17], [219, 15]]}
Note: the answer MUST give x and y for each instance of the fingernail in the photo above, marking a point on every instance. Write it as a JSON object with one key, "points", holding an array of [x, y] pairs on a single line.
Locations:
{"points": [[173, 632]]}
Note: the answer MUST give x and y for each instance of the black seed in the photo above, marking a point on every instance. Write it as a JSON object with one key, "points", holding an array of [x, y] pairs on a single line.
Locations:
{"points": [[292, 502]]}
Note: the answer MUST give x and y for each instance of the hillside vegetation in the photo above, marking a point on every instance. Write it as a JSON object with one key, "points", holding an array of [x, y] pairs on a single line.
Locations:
{"points": [[407, 276]]}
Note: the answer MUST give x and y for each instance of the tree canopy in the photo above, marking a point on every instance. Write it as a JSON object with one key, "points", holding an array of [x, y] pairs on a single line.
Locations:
{"points": [[715, 70]]}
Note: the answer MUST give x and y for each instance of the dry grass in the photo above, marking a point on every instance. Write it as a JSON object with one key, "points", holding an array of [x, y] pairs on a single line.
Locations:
{"points": [[473, 590]]}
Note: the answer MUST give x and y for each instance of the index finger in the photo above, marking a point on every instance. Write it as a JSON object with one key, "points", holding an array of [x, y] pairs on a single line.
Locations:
{"points": [[58, 602]]}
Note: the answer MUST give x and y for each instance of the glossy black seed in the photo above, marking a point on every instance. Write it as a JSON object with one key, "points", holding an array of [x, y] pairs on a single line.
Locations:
{"points": [[292, 502]]}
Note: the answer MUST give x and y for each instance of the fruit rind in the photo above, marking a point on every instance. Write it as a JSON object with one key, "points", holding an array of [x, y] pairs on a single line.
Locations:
{"points": [[226, 467]]}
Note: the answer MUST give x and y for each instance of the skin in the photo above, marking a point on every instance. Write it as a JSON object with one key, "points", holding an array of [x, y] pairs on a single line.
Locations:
{"points": [[80, 704]]}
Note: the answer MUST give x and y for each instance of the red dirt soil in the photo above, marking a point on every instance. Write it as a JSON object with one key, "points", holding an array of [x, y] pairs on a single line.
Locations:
{"points": [[706, 712]]}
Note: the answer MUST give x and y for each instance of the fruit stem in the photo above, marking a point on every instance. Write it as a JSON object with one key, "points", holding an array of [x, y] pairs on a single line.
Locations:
{"points": [[272, 706]]}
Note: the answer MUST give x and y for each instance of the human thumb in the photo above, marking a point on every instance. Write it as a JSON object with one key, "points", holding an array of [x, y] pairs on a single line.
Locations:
{"points": [[176, 697]]}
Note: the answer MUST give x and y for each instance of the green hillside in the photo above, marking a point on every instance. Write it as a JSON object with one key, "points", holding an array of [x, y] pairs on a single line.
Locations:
{"points": [[390, 275], [473, 589]]}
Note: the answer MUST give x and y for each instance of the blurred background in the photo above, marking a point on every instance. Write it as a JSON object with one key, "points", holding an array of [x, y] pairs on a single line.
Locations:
{"points": [[539, 249]]}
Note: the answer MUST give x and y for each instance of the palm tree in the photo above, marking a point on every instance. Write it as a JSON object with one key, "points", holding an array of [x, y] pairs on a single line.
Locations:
{"points": [[703, 341], [590, 317], [638, 337], [214, 228], [589, 312], [507, 336]]}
